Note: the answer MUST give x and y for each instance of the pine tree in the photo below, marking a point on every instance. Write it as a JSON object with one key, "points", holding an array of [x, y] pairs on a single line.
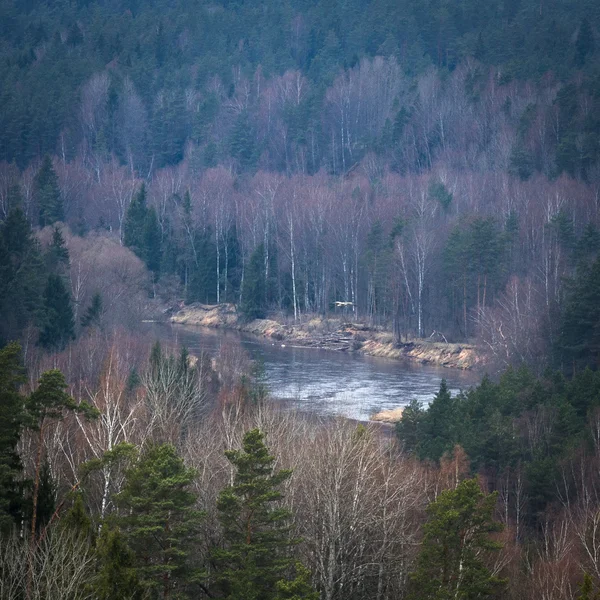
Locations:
{"points": [[254, 288], [256, 562], [47, 194], [12, 376], [49, 403], [59, 324], [452, 560], [160, 521]]}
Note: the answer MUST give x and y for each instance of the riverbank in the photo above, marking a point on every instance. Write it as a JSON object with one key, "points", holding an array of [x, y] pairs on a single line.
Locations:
{"points": [[332, 334]]}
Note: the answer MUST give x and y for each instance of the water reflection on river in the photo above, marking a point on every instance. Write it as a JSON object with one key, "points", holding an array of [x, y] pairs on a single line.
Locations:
{"points": [[328, 382]]}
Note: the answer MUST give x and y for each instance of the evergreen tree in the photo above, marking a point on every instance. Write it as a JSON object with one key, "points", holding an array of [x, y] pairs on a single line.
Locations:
{"points": [[46, 498], [135, 221], [58, 253], [440, 425], [579, 342], [47, 194], [77, 520], [117, 577], [49, 403], [254, 288], [160, 522], [586, 589], [151, 249], [408, 429], [12, 376], [452, 560], [22, 275], [59, 325], [243, 142], [94, 312], [585, 44], [203, 282], [256, 563]]}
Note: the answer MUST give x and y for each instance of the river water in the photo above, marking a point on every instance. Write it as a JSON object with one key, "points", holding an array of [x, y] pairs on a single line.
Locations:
{"points": [[327, 382]]}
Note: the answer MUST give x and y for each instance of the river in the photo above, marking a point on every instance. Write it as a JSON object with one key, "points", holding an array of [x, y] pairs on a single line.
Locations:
{"points": [[327, 382]]}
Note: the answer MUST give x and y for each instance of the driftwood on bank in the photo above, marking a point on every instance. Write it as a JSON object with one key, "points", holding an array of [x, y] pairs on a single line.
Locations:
{"points": [[331, 334]]}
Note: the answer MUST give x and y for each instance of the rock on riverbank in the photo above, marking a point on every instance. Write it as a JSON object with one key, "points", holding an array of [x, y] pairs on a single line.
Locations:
{"points": [[331, 334]]}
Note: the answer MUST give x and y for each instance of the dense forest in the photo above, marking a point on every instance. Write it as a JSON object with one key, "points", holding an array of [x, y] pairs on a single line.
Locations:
{"points": [[431, 166]]}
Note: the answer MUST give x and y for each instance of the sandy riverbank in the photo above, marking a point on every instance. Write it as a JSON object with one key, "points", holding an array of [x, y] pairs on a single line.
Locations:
{"points": [[332, 334]]}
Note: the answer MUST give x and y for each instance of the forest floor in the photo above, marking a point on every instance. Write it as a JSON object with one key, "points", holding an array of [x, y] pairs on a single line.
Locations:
{"points": [[332, 333]]}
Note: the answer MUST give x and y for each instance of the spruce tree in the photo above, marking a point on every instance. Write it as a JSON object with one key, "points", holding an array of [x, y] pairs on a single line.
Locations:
{"points": [[256, 562], [12, 376], [58, 253], [151, 249], [59, 324], [579, 339], [117, 577], [254, 288], [135, 220], [22, 275], [94, 312], [47, 194], [452, 560], [242, 142], [160, 522]]}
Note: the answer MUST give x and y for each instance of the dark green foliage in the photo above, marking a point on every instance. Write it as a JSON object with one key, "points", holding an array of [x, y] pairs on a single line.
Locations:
{"points": [[141, 232], [254, 290], [135, 220], [41, 90], [57, 256], [298, 588], [93, 315], [49, 400], [12, 376], [77, 520], [202, 286], [475, 266], [586, 589], [408, 428], [243, 142], [47, 194], [117, 577], [438, 191], [585, 45], [453, 561], [22, 275], [256, 561], [579, 343], [58, 325], [46, 502], [494, 421], [151, 242], [159, 522], [48, 404], [440, 428]]}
